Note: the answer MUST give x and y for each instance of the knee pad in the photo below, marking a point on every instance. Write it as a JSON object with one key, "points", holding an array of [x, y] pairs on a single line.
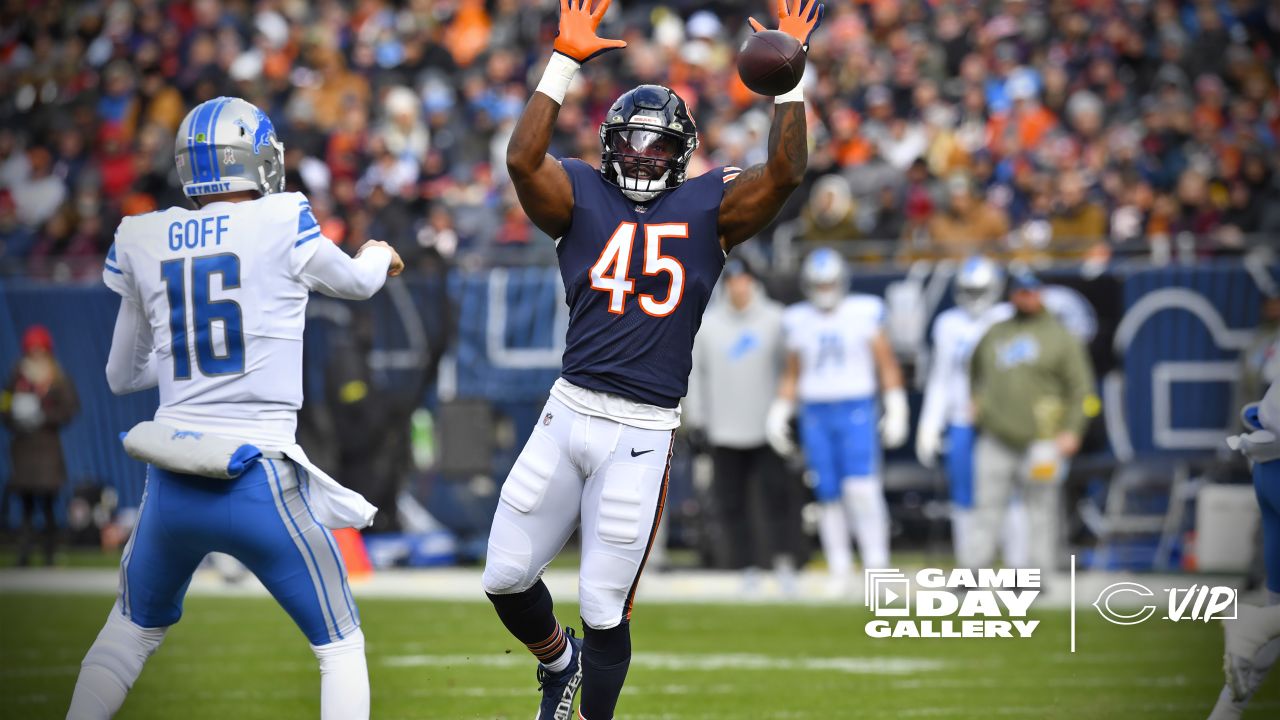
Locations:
{"points": [[123, 646], [507, 562], [602, 604]]}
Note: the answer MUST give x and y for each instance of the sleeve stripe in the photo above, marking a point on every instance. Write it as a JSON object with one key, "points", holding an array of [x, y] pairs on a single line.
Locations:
{"points": [[732, 168], [308, 238], [115, 270], [728, 178]]}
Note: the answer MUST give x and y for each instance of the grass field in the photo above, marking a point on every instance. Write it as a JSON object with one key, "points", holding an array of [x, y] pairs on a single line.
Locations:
{"points": [[242, 658]]}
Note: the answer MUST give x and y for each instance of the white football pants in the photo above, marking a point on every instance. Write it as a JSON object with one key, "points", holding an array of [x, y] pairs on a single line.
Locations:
{"points": [[578, 468]]}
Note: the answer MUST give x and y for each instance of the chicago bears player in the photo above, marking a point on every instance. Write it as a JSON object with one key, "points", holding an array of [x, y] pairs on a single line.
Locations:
{"points": [[640, 247], [212, 309], [947, 410], [837, 359]]}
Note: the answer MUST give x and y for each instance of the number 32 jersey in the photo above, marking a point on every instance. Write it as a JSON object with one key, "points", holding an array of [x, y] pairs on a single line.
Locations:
{"points": [[221, 290], [637, 277]]}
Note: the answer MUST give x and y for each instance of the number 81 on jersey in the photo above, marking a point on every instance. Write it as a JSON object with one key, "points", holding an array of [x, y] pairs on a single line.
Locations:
{"points": [[610, 273]]}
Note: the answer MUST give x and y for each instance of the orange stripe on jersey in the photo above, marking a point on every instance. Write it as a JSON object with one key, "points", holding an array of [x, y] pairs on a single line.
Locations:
{"points": [[727, 178], [653, 532]]}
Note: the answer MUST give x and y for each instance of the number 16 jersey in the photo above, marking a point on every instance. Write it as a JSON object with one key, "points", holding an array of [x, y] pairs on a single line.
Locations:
{"points": [[222, 292], [637, 277]]}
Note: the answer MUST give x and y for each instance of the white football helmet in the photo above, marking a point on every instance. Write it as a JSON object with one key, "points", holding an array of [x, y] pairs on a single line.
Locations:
{"points": [[979, 284], [228, 145], [824, 278]]}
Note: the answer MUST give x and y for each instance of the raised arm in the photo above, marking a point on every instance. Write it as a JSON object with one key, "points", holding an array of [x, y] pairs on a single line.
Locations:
{"points": [[540, 181], [754, 198]]}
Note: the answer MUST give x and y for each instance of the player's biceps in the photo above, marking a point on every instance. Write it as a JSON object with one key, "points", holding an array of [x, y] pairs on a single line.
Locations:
{"points": [[527, 483], [623, 515]]}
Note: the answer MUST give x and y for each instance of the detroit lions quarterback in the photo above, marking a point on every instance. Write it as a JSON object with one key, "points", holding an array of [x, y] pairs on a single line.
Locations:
{"points": [[640, 248], [212, 307], [838, 360], [947, 412]]}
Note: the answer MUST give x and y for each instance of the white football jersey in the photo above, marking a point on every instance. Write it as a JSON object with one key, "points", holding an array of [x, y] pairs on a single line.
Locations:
{"points": [[221, 289], [955, 334], [834, 348]]}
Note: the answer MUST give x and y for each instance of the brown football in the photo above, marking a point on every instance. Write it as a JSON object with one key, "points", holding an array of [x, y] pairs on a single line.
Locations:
{"points": [[771, 62]]}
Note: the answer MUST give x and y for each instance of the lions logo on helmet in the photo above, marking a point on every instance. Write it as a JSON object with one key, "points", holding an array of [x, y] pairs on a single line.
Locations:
{"points": [[647, 139], [824, 278], [228, 145]]}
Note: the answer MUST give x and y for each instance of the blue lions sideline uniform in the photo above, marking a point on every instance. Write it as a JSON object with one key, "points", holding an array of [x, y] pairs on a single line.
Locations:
{"points": [[640, 354]]}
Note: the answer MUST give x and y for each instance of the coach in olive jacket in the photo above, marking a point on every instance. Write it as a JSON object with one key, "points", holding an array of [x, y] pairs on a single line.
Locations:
{"points": [[1032, 386]]}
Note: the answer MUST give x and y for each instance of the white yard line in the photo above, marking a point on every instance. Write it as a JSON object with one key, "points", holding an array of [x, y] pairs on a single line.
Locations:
{"points": [[463, 584], [699, 662]]}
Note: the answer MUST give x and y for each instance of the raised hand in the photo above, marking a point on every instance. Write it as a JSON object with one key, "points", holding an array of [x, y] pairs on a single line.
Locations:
{"points": [[800, 24], [577, 37]]}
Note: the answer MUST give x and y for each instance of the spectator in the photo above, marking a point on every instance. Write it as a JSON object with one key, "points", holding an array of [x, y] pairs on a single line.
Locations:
{"points": [[830, 215], [1076, 223], [739, 347], [966, 224], [1032, 386], [39, 195], [37, 402]]}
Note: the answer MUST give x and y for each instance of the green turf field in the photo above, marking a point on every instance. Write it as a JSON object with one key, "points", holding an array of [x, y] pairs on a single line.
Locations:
{"points": [[242, 658]]}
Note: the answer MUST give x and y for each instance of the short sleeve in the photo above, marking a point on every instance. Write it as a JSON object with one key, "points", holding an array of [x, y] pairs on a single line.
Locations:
{"points": [[306, 237], [115, 270]]}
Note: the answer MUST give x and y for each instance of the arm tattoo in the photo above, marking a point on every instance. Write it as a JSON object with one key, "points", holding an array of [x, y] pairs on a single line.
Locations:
{"points": [[794, 142]]}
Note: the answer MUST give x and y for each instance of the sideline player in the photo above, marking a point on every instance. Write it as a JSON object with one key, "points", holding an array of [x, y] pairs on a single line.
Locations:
{"points": [[837, 358], [1253, 639], [948, 409], [640, 247], [213, 302]]}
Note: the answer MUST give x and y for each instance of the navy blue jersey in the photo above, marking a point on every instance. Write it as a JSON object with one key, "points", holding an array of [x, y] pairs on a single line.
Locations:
{"points": [[637, 278]]}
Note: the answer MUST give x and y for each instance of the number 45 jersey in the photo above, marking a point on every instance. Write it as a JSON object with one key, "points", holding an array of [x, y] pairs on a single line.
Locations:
{"points": [[637, 277], [221, 290]]}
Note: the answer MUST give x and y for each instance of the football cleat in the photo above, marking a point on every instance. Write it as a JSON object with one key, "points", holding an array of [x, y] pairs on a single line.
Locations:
{"points": [[1245, 636], [560, 689]]}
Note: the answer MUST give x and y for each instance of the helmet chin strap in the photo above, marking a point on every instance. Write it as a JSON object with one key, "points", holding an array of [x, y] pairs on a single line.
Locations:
{"points": [[640, 190]]}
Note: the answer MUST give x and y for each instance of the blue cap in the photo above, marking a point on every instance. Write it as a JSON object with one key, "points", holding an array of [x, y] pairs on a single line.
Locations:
{"points": [[738, 266], [1024, 280]]}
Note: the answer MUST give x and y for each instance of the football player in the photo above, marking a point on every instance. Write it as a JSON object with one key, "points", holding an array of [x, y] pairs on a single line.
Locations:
{"points": [[640, 246], [979, 284], [213, 302], [837, 359], [1253, 638]]}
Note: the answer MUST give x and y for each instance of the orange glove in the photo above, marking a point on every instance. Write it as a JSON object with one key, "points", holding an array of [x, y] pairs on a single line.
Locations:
{"points": [[800, 24], [577, 37]]}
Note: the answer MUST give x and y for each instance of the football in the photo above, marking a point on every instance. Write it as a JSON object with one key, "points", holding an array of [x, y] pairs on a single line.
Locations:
{"points": [[771, 62]]}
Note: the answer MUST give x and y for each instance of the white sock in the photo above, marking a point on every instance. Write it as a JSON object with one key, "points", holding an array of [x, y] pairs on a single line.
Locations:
{"points": [[1016, 534], [561, 662], [961, 534], [344, 679], [833, 531], [111, 666], [864, 497]]}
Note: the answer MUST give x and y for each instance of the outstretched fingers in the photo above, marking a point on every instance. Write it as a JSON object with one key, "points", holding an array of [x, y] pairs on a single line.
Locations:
{"points": [[602, 6]]}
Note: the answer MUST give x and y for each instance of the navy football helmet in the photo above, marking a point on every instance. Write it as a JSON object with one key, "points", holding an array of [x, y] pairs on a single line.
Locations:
{"points": [[647, 139]]}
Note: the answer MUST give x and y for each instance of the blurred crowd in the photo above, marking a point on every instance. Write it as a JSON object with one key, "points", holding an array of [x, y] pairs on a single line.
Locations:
{"points": [[1059, 127]]}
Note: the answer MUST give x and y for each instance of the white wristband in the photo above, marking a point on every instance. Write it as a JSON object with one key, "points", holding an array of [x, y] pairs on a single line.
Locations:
{"points": [[556, 78], [795, 94]]}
